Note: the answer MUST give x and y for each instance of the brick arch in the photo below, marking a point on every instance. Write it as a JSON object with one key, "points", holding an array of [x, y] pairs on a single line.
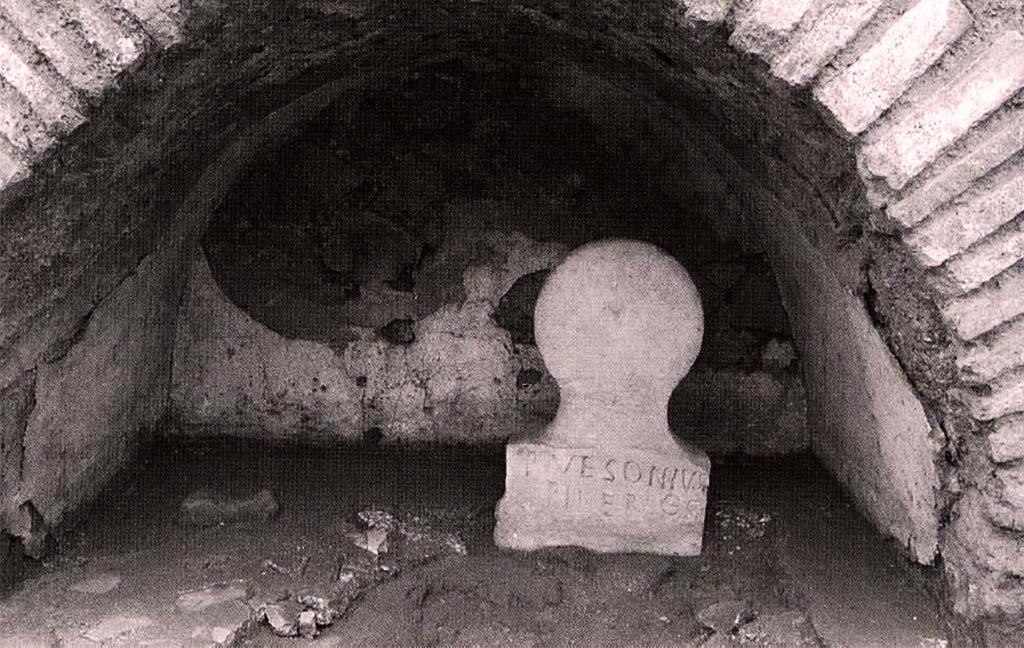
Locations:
{"points": [[927, 93]]}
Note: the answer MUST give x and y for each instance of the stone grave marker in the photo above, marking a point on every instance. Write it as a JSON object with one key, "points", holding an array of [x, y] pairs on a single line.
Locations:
{"points": [[618, 324]]}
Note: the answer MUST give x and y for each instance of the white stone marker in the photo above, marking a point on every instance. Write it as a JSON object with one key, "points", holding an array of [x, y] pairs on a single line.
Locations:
{"points": [[618, 323]]}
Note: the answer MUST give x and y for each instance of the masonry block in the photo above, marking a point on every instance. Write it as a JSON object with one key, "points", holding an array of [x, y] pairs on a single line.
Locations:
{"points": [[763, 27], [995, 353], [707, 10], [1002, 139], [987, 258], [901, 147], [1006, 443], [955, 228], [832, 29], [863, 91], [984, 309], [1001, 397]]}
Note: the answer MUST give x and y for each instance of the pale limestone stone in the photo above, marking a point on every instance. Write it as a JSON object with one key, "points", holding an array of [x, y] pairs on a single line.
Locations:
{"points": [[1006, 443], [13, 167], [901, 147], [99, 584], [618, 324], [994, 354], [116, 627], [982, 310], [1001, 140], [873, 82], [1003, 396], [52, 99], [119, 44], [19, 124], [763, 26], [1005, 499], [986, 258], [65, 49], [833, 28], [707, 10], [216, 594], [957, 227], [163, 19]]}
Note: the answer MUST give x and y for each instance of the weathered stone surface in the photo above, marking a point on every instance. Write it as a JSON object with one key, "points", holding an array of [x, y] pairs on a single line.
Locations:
{"points": [[986, 308], [1005, 499], [119, 43], [100, 388], [206, 508], [24, 131], [955, 228], [725, 616], [116, 627], [618, 323], [606, 500], [853, 385], [13, 166], [1000, 397], [707, 10], [901, 147], [163, 19], [213, 595], [982, 559], [763, 26], [993, 354], [1006, 443], [791, 629], [863, 91], [987, 258], [1001, 140], [99, 584], [16, 403], [49, 95], [833, 27], [457, 380], [65, 49]]}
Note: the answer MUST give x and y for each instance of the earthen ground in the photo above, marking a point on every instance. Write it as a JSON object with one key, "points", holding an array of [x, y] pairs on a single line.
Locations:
{"points": [[780, 537]]}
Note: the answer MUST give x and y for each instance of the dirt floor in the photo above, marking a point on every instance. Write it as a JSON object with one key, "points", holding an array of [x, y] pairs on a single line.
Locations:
{"points": [[392, 546]]}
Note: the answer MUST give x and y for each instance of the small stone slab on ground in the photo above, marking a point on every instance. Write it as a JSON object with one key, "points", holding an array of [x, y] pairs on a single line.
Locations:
{"points": [[725, 616], [209, 596], [208, 508], [99, 584], [115, 627]]}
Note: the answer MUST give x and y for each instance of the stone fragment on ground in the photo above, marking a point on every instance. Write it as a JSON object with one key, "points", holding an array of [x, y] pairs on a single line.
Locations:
{"points": [[307, 624], [304, 616], [98, 584], [725, 616], [377, 529], [116, 628], [215, 594], [282, 619], [208, 508], [789, 628]]}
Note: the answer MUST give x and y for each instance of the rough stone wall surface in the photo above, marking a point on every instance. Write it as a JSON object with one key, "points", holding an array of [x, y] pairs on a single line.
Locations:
{"points": [[458, 380], [93, 397], [856, 385]]}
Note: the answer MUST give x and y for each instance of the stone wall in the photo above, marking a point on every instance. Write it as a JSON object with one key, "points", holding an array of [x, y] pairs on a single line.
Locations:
{"points": [[926, 93]]}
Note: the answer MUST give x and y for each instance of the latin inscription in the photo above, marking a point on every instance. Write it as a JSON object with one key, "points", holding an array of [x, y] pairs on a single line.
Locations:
{"points": [[614, 486]]}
